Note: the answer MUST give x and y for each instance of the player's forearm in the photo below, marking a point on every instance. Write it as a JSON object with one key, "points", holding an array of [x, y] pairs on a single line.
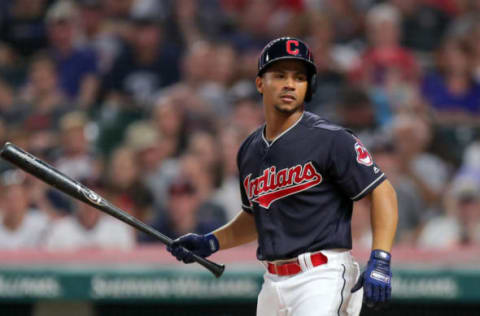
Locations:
{"points": [[384, 216], [239, 231]]}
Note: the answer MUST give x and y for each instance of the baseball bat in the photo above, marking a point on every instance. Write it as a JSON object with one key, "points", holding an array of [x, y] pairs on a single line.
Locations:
{"points": [[75, 189]]}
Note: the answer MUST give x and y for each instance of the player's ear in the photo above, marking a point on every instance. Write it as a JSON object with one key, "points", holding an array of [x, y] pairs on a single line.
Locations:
{"points": [[259, 84]]}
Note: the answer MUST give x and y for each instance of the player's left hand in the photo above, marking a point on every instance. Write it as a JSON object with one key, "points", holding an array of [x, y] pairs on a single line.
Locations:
{"points": [[201, 245], [376, 280]]}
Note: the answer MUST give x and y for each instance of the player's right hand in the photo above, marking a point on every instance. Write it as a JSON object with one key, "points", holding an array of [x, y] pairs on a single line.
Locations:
{"points": [[185, 246], [376, 280]]}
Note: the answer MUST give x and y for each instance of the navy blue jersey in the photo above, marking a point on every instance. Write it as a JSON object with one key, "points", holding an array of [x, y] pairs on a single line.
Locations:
{"points": [[301, 186]]}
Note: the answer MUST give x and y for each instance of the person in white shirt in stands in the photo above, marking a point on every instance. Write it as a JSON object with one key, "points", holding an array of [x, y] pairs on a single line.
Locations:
{"points": [[460, 225], [20, 226], [89, 228]]}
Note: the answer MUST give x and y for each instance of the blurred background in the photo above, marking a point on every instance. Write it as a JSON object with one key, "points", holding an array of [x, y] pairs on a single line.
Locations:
{"points": [[147, 103]]}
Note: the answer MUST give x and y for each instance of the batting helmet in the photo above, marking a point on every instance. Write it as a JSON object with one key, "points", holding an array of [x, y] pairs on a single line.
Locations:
{"points": [[289, 48]]}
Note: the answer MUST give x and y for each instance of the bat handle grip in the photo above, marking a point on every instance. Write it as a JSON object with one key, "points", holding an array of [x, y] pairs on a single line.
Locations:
{"points": [[215, 268]]}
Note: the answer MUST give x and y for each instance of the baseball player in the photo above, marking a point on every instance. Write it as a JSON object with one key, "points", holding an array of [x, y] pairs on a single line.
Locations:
{"points": [[299, 175]]}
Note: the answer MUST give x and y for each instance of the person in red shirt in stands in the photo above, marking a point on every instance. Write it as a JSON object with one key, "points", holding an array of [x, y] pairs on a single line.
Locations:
{"points": [[385, 60]]}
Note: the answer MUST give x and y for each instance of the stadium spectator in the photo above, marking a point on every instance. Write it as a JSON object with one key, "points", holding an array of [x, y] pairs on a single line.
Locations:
{"points": [[332, 61], [203, 147], [386, 69], [118, 9], [77, 66], [348, 22], [208, 72], [412, 136], [97, 35], [222, 75], [146, 143], [460, 225], [203, 89], [204, 179], [356, 112], [18, 136], [41, 103], [253, 25], [182, 213], [156, 167], [76, 158], [198, 114], [23, 28], [20, 226], [458, 9], [471, 156], [412, 213], [473, 40], [147, 63], [48, 199], [191, 21], [12, 69], [9, 109], [195, 64], [168, 117], [125, 187], [248, 59], [202, 144], [361, 231], [226, 195], [422, 25], [385, 59], [450, 89], [88, 228], [247, 114]]}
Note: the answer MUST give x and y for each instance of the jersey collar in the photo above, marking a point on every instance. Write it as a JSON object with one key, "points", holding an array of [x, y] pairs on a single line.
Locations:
{"points": [[281, 134]]}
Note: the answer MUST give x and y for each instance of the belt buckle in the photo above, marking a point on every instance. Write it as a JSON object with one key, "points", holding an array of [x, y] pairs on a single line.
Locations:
{"points": [[275, 268]]}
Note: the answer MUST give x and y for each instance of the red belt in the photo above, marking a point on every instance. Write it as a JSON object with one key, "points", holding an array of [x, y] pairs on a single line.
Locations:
{"points": [[294, 267]]}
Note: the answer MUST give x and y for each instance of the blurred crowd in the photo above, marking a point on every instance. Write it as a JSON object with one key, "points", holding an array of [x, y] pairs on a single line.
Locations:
{"points": [[146, 102]]}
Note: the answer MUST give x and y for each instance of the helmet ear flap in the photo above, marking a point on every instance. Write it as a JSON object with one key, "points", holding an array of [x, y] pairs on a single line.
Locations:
{"points": [[312, 86]]}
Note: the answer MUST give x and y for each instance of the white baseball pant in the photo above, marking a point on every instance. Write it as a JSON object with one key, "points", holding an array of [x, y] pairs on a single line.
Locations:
{"points": [[323, 290]]}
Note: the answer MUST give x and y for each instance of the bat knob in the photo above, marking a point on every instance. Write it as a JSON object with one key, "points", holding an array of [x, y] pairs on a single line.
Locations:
{"points": [[5, 148]]}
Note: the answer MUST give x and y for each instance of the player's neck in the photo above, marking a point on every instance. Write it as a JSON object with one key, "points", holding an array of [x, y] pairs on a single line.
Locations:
{"points": [[276, 123]]}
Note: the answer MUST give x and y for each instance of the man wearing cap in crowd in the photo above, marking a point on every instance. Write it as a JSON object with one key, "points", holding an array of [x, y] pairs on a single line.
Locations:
{"points": [[460, 225], [147, 64], [77, 66], [20, 226]]}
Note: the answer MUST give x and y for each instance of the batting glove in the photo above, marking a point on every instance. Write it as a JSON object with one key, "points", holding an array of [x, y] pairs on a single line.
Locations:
{"points": [[376, 280], [185, 246]]}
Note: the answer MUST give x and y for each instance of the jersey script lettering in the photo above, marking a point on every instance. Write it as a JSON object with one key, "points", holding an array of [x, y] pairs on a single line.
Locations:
{"points": [[273, 185]]}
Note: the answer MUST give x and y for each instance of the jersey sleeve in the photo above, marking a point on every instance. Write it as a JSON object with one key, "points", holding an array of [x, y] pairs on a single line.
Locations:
{"points": [[246, 205], [352, 167]]}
